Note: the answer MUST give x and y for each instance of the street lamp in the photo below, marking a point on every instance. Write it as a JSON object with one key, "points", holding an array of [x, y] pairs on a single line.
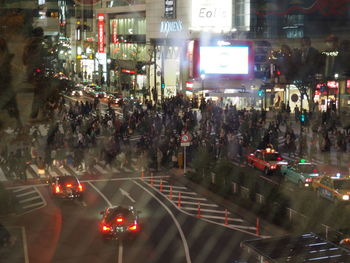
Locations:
{"points": [[203, 78]]}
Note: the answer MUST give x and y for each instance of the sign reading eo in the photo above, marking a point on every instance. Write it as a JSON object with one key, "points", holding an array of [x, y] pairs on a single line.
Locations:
{"points": [[215, 15]]}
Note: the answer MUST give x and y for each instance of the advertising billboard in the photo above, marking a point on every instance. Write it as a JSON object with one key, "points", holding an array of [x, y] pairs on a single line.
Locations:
{"points": [[234, 60], [211, 15], [230, 60]]}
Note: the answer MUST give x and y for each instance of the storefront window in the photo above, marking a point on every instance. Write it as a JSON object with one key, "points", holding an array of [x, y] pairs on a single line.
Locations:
{"points": [[128, 51], [128, 26]]}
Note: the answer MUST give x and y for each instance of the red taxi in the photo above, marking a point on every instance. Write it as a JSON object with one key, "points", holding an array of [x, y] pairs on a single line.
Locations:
{"points": [[268, 160]]}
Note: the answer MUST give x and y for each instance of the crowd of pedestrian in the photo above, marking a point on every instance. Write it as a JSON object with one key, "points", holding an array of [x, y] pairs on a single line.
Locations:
{"points": [[80, 134]]}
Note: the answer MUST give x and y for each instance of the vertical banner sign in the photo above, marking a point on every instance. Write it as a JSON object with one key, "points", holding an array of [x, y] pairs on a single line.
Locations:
{"points": [[170, 9], [115, 31], [101, 33]]}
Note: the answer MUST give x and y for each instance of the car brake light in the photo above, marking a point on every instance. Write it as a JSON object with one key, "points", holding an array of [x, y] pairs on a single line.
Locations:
{"points": [[57, 189], [279, 158], [68, 185], [80, 187], [106, 228], [120, 219], [314, 170], [309, 180], [133, 227]]}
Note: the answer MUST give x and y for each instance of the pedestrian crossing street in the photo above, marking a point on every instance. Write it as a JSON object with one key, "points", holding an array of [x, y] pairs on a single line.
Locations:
{"points": [[28, 199], [100, 168], [193, 204]]}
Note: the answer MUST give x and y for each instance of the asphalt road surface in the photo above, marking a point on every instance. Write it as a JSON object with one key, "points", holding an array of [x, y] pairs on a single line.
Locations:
{"points": [[65, 231]]}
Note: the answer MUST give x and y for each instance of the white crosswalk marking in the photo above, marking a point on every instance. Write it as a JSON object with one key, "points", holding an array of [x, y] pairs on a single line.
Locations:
{"points": [[196, 203], [205, 210], [29, 175], [30, 199], [192, 198], [33, 205], [100, 169], [115, 170], [174, 187], [193, 204], [63, 170], [222, 218], [26, 193], [2, 176], [35, 168]]}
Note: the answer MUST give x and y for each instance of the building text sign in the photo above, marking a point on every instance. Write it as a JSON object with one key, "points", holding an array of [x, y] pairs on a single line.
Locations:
{"points": [[212, 15], [101, 33], [170, 26], [170, 9]]}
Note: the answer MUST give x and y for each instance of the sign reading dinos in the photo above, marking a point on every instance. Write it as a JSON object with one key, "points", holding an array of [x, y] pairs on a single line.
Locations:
{"points": [[87, 2]]}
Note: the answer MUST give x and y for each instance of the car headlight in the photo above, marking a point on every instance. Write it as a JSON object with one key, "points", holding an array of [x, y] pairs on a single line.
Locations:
{"points": [[345, 197], [81, 93]]}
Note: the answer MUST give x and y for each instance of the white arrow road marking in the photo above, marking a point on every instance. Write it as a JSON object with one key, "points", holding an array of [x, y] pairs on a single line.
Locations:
{"points": [[126, 194]]}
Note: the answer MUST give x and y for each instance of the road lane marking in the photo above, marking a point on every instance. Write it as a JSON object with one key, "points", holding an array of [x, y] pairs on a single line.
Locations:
{"points": [[30, 199], [26, 193], [101, 194], [120, 252], [25, 246], [19, 188], [184, 241], [126, 194]]}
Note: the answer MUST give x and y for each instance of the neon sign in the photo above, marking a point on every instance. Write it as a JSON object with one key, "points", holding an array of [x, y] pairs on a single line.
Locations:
{"points": [[101, 33]]}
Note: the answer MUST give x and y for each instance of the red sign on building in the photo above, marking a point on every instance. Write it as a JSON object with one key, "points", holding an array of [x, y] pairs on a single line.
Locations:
{"points": [[115, 32], [101, 32]]}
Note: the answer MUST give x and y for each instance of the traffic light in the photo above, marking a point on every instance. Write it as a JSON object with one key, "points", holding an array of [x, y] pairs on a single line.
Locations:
{"points": [[302, 118], [163, 86], [261, 92]]}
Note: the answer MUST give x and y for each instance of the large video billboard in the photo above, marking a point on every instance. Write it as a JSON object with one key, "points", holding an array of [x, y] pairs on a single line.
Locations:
{"points": [[228, 60], [224, 59]]}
